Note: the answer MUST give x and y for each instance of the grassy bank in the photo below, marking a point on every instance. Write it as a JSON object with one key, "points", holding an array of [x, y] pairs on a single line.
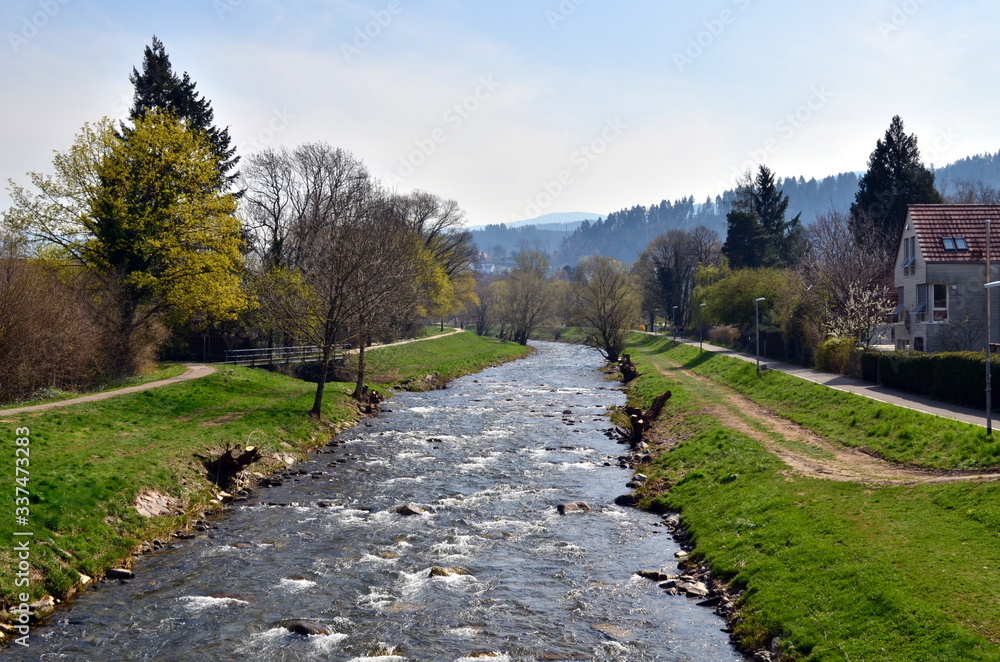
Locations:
{"points": [[89, 462], [164, 371], [833, 570], [897, 434]]}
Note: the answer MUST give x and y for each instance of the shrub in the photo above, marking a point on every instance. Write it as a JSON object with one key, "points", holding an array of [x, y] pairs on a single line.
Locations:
{"points": [[47, 339], [838, 355], [724, 335], [955, 377]]}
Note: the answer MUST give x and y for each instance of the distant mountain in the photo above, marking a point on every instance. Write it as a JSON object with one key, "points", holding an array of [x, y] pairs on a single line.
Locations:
{"points": [[555, 218], [982, 168], [623, 234]]}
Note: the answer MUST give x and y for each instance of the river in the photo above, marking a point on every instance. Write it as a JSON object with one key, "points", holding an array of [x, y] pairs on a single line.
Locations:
{"points": [[489, 459]]}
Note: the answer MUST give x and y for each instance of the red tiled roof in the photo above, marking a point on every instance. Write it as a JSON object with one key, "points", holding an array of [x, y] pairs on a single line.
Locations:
{"points": [[935, 222]]}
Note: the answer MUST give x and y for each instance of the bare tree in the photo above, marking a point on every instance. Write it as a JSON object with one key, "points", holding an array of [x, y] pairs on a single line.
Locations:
{"points": [[669, 263], [524, 296], [971, 193], [386, 282], [47, 339], [270, 205], [334, 234], [483, 310], [853, 272], [608, 298]]}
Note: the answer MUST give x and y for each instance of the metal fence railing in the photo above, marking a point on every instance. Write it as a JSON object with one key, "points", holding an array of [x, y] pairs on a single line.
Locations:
{"points": [[273, 355]]}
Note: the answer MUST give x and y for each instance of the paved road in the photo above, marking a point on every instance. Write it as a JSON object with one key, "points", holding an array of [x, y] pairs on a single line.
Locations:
{"points": [[194, 371], [866, 389]]}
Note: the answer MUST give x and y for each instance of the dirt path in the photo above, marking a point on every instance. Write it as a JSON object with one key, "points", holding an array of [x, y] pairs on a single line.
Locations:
{"points": [[194, 371], [806, 453]]}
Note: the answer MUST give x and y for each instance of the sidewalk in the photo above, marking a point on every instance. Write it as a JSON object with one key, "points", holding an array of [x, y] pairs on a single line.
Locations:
{"points": [[859, 387]]}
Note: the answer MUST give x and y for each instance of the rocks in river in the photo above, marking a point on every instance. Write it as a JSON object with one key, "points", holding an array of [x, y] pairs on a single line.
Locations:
{"points": [[655, 575], [626, 501], [573, 507], [438, 571], [302, 626], [119, 573], [693, 589], [638, 480], [42, 608], [409, 510]]}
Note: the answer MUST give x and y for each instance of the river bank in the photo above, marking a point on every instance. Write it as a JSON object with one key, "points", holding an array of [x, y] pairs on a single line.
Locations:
{"points": [[430, 532], [90, 470], [835, 554]]}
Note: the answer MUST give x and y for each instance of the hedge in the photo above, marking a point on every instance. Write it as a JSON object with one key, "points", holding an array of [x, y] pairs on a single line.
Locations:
{"points": [[955, 377]]}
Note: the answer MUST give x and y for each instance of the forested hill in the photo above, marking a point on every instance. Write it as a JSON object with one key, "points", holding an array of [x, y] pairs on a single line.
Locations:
{"points": [[623, 234], [982, 168]]}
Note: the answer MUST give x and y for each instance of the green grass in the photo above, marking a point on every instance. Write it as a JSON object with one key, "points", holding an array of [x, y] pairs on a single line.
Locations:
{"points": [[897, 434], [447, 357], [164, 371], [837, 571], [435, 330], [89, 462]]}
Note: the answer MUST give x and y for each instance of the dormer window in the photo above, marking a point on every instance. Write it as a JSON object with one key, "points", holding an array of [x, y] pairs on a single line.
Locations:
{"points": [[954, 244]]}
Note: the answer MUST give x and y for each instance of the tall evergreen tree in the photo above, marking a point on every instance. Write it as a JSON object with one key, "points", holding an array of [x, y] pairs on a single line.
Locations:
{"points": [[895, 179], [157, 87], [781, 239], [759, 234]]}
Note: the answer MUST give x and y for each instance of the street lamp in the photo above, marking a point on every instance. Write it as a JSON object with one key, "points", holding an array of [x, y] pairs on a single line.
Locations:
{"points": [[756, 307], [989, 372], [701, 307], [675, 323]]}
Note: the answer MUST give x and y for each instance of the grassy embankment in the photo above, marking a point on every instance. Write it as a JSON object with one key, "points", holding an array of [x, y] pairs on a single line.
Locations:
{"points": [[89, 462], [164, 371], [836, 570]]}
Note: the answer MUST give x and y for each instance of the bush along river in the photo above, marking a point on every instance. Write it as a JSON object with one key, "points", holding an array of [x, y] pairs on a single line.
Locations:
{"points": [[429, 533]]}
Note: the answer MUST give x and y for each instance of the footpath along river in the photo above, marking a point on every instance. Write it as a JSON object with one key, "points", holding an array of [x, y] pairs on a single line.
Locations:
{"points": [[489, 459]]}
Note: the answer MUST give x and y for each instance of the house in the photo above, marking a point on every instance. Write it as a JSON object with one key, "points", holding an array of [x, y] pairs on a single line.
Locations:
{"points": [[940, 272]]}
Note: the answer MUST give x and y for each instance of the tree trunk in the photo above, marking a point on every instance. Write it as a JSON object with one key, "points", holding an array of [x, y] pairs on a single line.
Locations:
{"points": [[359, 385], [317, 410]]}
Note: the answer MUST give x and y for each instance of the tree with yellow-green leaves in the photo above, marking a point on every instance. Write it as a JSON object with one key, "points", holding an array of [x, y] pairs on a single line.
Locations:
{"points": [[142, 217]]}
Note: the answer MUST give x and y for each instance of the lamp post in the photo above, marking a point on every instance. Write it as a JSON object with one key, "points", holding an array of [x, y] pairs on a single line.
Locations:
{"points": [[756, 307], [989, 372], [701, 332], [675, 324]]}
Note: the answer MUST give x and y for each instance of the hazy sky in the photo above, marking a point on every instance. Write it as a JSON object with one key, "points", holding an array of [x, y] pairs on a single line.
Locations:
{"points": [[516, 108]]}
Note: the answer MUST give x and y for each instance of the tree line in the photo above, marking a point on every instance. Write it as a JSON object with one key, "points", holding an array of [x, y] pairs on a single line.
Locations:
{"points": [[828, 285], [145, 233]]}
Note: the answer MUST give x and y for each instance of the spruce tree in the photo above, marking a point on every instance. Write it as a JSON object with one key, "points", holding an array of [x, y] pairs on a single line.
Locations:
{"points": [[759, 234], [781, 239], [895, 179], [157, 87]]}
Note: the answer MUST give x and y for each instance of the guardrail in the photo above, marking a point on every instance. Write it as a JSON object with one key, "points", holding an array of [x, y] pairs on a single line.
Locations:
{"points": [[273, 355]]}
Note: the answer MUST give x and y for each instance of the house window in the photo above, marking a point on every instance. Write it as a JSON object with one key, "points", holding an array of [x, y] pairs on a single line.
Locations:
{"points": [[899, 306], [918, 344], [909, 256], [954, 244], [939, 310], [921, 310]]}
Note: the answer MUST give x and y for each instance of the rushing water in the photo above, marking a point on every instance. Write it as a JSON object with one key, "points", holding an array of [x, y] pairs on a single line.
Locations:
{"points": [[489, 459]]}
